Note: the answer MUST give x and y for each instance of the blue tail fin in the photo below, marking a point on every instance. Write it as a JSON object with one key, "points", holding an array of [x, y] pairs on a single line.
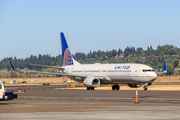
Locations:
{"points": [[67, 57]]}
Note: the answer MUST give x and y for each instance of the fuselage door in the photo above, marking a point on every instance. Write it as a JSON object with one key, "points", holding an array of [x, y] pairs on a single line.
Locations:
{"points": [[136, 72]]}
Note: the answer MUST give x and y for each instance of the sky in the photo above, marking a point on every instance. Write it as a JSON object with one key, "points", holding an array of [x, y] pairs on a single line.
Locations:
{"points": [[32, 27]]}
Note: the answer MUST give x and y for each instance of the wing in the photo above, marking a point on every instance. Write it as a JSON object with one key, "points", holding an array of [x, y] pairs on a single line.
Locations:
{"points": [[160, 72], [60, 68], [38, 72]]}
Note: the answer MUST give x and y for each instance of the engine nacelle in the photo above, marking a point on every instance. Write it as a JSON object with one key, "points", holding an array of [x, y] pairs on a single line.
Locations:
{"points": [[91, 82]]}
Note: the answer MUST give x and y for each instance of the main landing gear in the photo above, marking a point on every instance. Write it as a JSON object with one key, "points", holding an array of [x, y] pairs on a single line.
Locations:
{"points": [[115, 87], [145, 88], [90, 88]]}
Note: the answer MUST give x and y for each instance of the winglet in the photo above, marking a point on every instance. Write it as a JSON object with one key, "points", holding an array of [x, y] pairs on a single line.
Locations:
{"points": [[165, 67], [12, 64]]}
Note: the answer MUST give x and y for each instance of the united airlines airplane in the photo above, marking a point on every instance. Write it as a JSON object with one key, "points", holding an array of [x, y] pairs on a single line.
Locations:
{"points": [[93, 75]]}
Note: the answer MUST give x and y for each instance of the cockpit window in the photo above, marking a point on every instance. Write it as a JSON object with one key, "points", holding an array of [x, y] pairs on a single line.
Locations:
{"points": [[147, 70]]}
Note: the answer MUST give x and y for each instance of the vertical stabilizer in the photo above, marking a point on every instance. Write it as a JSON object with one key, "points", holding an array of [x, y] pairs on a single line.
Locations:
{"points": [[66, 54]]}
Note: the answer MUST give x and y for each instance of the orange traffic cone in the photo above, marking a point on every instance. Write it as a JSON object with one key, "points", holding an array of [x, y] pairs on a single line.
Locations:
{"points": [[136, 101]]}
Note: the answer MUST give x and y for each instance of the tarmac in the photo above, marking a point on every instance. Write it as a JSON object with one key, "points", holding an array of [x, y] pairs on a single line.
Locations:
{"points": [[49, 102]]}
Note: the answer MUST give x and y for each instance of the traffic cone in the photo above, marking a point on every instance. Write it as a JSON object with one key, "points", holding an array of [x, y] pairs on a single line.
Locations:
{"points": [[136, 101]]}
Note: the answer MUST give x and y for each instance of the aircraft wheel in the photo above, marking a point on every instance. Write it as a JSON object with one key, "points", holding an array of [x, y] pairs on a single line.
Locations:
{"points": [[145, 88], [113, 87], [88, 88], [92, 88], [117, 87]]}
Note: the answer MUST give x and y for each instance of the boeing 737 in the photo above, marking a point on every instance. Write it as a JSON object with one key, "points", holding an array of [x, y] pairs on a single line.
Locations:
{"points": [[93, 75]]}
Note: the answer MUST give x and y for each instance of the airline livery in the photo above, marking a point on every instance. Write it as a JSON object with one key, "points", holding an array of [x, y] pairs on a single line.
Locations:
{"points": [[93, 75]]}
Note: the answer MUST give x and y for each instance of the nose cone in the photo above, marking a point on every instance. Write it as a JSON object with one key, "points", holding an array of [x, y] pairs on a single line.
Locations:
{"points": [[152, 76]]}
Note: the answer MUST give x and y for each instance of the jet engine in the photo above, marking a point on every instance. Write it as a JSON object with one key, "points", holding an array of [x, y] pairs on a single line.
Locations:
{"points": [[91, 82]]}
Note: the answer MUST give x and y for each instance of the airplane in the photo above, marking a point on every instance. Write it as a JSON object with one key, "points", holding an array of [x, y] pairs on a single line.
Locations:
{"points": [[93, 75]]}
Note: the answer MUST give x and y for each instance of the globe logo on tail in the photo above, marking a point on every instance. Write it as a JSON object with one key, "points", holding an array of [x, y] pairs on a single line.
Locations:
{"points": [[67, 58]]}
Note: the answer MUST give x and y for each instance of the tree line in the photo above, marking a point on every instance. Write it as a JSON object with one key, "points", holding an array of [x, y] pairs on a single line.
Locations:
{"points": [[150, 56]]}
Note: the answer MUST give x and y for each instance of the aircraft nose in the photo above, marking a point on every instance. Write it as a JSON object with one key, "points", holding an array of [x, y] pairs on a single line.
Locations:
{"points": [[154, 75]]}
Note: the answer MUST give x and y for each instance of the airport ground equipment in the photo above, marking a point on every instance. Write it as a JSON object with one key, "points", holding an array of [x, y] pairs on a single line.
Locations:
{"points": [[72, 85], [136, 100], [6, 95]]}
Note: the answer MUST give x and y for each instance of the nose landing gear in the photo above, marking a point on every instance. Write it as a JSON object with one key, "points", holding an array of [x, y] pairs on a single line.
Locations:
{"points": [[145, 88]]}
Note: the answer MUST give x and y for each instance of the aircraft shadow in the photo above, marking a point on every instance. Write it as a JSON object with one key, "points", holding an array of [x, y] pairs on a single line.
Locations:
{"points": [[4, 103], [150, 96], [7, 103]]}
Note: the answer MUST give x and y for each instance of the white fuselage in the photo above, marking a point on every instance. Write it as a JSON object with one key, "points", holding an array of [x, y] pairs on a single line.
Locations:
{"points": [[125, 73]]}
